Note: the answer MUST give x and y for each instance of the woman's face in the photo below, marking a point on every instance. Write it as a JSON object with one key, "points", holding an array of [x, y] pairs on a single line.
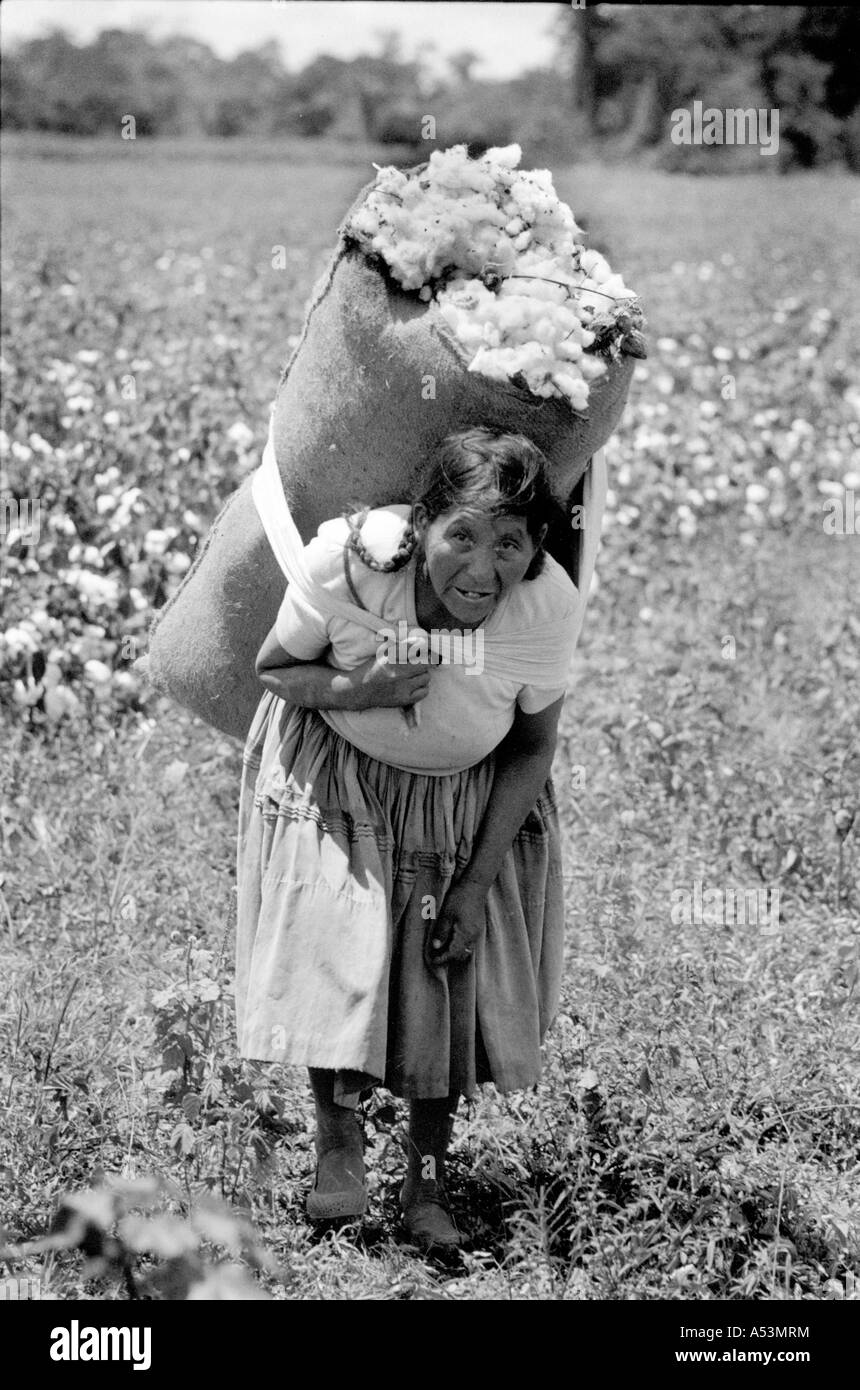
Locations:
{"points": [[473, 559]]}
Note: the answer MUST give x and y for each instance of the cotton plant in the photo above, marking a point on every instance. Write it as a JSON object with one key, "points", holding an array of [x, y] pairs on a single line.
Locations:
{"points": [[503, 258]]}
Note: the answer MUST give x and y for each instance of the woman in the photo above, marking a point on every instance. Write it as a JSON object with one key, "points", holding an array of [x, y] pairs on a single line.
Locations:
{"points": [[400, 885]]}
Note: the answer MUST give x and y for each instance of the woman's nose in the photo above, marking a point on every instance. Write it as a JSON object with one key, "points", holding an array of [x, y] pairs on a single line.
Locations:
{"points": [[482, 569]]}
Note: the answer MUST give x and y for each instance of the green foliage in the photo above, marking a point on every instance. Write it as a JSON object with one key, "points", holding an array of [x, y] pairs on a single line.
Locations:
{"points": [[185, 1015], [631, 66], [128, 1239], [179, 87], [618, 74]]}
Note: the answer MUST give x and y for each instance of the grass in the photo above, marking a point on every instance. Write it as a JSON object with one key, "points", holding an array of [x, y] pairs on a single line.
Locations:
{"points": [[695, 1136]]}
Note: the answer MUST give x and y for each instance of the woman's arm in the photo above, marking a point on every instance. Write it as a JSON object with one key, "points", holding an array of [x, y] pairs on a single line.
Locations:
{"points": [[316, 685], [523, 763]]}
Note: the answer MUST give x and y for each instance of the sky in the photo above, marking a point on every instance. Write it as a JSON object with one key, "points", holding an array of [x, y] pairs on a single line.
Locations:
{"points": [[509, 38]]}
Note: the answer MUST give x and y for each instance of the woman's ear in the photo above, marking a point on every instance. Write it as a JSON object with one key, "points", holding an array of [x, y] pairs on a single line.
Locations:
{"points": [[419, 519], [536, 564]]}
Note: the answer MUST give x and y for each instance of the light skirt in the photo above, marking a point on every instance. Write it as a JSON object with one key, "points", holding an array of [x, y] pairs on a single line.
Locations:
{"points": [[342, 861]]}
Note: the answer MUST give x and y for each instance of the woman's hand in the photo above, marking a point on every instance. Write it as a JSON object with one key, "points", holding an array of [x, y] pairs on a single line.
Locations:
{"points": [[389, 684], [313, 684], [451, 938]]}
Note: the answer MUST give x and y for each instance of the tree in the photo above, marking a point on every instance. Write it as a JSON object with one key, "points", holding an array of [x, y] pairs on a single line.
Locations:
{"points": [[631, 66], [461, 65]]}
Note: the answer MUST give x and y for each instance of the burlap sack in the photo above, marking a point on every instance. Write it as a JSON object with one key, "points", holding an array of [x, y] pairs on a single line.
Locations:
{"points": [[376, 381]]}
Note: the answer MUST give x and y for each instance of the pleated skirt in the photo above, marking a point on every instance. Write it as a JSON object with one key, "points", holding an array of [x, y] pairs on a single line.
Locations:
{"points": [[343, 865]]}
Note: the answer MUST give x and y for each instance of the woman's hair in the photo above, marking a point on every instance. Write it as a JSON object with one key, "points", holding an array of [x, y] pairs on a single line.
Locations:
{"points": [[502, 474]]}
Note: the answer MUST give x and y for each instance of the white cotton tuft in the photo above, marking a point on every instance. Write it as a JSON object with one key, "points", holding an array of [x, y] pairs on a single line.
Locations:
{"points": [[499, 253], [383, 530]]}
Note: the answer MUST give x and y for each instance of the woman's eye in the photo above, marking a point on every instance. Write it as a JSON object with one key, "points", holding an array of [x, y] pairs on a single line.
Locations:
{"points": [[512, 547]]}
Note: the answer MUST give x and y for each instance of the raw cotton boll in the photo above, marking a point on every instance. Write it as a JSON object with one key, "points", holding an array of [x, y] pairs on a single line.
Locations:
{"points": [[510, 314], [483, 215], [503, 261], [475, 256], [524, 195], [594, 265], [565, 321], [499, 252], [60, 701], [614, 285], [400, 220], [410, 265], [567, 385], [588, 300], [544, 331], [366, 223], [470, 334], [536, 361], [96, 672], [512, 289], [412, 193], [506, 156], [542, 180], [591, 367], [391, 180], [493, 362], [570, 350]]}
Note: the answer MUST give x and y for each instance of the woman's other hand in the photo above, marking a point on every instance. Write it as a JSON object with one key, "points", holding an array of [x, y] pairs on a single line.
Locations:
{"points": [[381, 684], [452, 937]]}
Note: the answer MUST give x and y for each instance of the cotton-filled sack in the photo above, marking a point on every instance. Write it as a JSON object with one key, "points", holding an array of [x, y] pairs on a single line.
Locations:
{"points": [[375, 383]]}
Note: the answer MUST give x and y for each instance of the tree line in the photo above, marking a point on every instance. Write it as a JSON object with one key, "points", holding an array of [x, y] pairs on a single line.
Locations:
{"points": [[619, 72]]}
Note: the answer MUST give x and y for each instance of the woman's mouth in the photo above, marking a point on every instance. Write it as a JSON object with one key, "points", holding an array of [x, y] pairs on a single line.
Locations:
{"points": [[473, 595]]}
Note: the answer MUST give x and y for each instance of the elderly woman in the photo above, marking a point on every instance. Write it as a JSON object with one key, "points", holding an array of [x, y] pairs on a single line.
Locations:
{"points": [[400, 884]]}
